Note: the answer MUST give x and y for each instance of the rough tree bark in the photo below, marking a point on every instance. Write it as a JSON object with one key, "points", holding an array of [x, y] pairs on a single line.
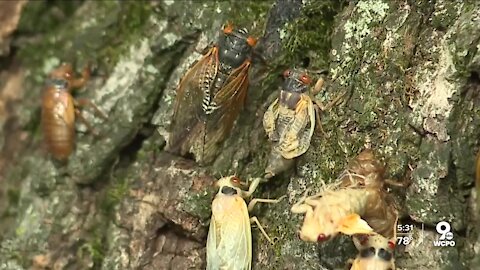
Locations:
{"points": [[410, 72]]}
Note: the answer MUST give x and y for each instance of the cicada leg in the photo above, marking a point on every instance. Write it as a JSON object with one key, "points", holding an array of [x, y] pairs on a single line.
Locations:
{"points": [[80, 82], [316, 89], [82, 102], [256, 200], [82, 119], [255, 220], [253, 186], [304, 197], [300, 207], [394, 183], [319, 105]]}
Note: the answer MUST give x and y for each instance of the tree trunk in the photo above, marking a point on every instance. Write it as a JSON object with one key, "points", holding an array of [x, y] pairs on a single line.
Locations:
{"points": [[408, 72]]}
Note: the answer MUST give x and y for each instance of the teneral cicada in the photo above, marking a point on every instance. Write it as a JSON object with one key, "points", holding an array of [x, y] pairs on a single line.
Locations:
{"points": [[375, 252], [229, 243], [211, 95], [290, 121], [356, 204]]}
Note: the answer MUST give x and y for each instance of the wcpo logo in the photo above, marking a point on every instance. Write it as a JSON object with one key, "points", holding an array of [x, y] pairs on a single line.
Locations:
{"points": [[446, 236]]}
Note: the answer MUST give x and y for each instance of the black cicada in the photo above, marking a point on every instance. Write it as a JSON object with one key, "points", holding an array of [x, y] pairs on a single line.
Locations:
{"points": [[211, 95]]}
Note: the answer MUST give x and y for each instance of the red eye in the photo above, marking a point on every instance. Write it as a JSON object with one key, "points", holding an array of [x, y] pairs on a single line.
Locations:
{"points": [[228, 29], [251, 41], [322, 237], [391, 245], [287, 73], [305, 79], [235, 180]]}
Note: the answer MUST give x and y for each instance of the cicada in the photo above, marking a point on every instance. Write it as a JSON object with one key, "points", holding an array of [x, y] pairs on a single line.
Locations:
{"points": [[355, 204], [376, 252], [229, 242], [211, 95], [331, 212], [59, 110], [290, 120]]}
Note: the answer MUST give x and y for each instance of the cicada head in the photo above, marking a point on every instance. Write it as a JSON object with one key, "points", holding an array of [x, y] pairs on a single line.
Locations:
{"points": [[229, 185], [234, 46], [375, 252], [61, 77], [325, 225], [296, 80], [315, 234]]}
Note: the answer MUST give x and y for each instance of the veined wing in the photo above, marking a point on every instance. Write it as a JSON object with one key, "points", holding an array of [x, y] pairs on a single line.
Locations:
{"points": [[229, 243], [296, 139], [230, 100], [270, 118], [188, 114]]}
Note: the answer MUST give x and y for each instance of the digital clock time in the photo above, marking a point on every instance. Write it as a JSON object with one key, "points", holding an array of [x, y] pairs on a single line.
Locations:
{"points": [[405, 228]]}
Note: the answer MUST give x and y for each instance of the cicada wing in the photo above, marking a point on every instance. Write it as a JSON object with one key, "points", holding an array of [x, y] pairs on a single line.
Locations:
{"points": [[230, 100], [229, 243], [296, 139], [270, 119], [213, 260], [188, 115]]}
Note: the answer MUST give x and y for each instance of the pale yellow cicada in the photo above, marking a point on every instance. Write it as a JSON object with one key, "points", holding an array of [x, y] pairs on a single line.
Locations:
{"points": [[356, 204], [229, 243], [375, 252]]}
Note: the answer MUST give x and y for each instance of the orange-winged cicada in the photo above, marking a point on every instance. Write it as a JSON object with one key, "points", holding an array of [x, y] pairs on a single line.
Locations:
{"points": [[211, 95]]}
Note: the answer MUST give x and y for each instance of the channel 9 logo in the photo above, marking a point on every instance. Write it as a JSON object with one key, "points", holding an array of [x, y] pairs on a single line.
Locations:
{"points": [[446, 236]]}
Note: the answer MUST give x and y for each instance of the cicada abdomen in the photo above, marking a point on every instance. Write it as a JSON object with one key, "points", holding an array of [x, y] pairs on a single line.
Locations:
{"points": [[211, 95], [289, 122]]}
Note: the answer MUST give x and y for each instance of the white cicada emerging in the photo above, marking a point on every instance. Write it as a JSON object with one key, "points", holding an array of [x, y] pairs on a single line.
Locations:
{"points": [[229, 243], [356, 204]]}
